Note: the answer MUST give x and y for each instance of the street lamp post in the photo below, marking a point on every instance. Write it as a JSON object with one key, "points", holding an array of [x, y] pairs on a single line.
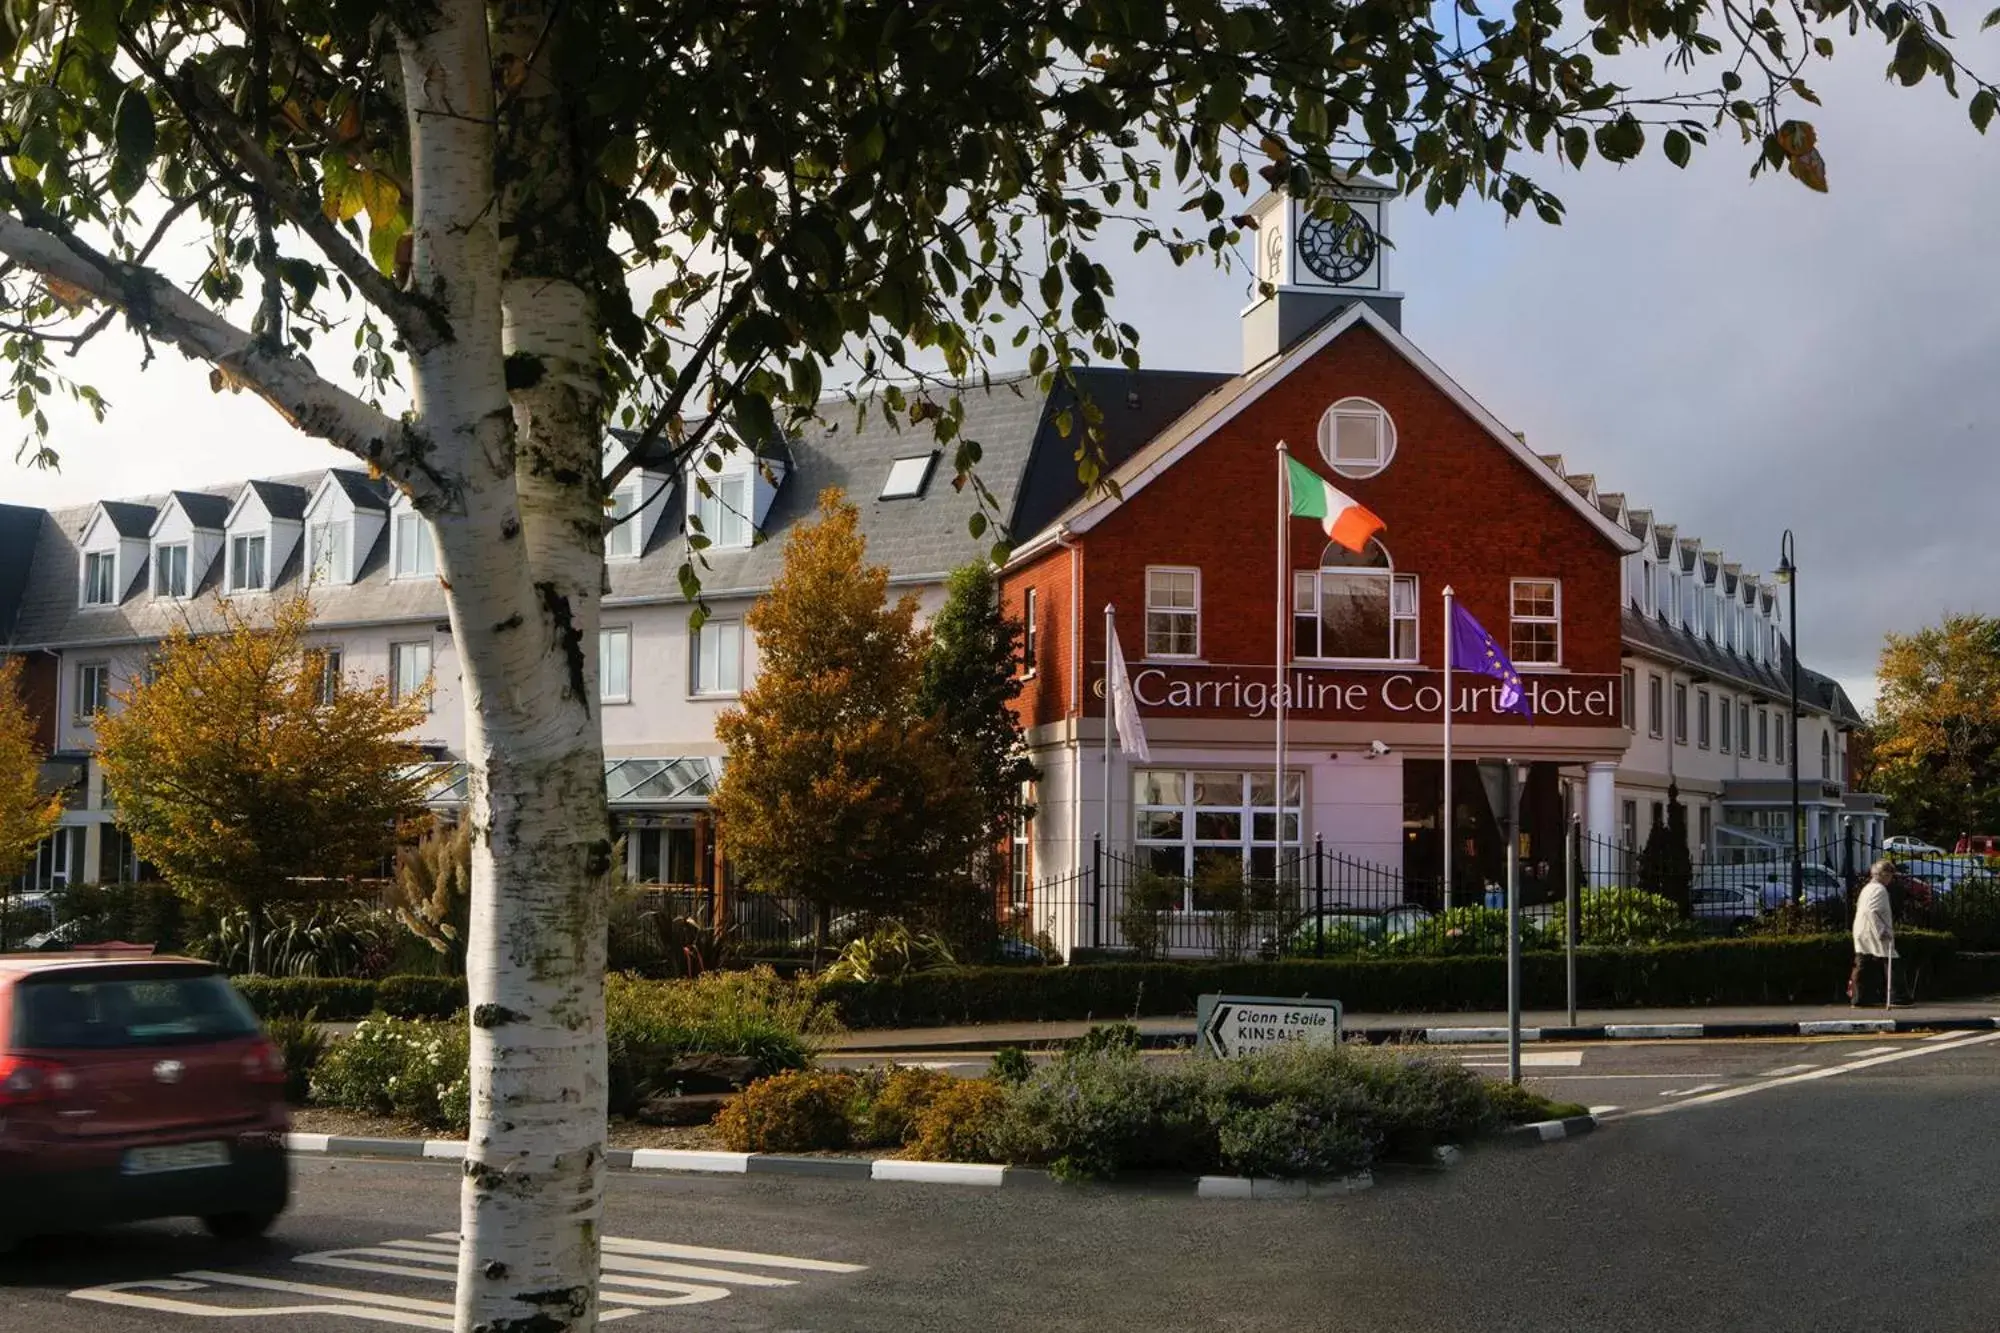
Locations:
{"points": [[1788, 574]]}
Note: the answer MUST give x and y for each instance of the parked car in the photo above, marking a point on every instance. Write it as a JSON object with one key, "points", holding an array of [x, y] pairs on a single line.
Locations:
{"points": [[1940, 873], [1902, 845], [134, 1088], [1772, 882], [1341, 927], [1724, 909], [1978, 844]]}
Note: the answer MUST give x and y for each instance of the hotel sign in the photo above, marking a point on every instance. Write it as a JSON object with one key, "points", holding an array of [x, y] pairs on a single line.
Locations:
{"points": [[1334, 694]]}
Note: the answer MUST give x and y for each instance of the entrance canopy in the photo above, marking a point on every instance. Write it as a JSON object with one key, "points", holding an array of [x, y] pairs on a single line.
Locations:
{"points": [[629, 784]]}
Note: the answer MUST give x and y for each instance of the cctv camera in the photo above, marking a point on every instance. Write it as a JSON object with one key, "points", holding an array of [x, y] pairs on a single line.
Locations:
{"points": [[1378, 748]]}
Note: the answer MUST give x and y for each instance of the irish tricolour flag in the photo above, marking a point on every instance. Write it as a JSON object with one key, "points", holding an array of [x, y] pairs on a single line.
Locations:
{"points": [[1345, 521]]}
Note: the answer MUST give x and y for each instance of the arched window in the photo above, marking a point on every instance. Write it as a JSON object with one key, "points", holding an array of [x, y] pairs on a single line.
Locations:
{"points": [[1356, 437], [1354, 607]]}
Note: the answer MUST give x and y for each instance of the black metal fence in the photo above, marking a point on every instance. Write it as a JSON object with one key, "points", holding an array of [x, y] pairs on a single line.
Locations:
{"points": [[1323, 903]]}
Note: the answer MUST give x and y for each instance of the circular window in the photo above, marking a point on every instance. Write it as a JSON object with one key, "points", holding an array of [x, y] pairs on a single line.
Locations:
{"points": [[1356, 437]]}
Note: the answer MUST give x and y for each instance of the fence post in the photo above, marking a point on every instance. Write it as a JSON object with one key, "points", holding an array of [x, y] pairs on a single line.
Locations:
{"points": [[1319, 895], [1096, 890]]}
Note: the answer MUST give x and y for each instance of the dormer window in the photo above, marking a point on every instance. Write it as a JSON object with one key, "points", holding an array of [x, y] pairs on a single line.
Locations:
{"points": [[170, 570], [327, 551], [908, 477], [415, 554], [621, 540], [246, 563], [724, 513], [100, 578]]}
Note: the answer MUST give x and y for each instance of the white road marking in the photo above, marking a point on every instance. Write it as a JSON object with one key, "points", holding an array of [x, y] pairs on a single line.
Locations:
{"points": [[632, 1282], [1830, 1071], [1785, 1071], [1946, 1035], [1602, 1110], [1533, 1060], [1681, 1076], [1872, 1050], [1690, 1092]]}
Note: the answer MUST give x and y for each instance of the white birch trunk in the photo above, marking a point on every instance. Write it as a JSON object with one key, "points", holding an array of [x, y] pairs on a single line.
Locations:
{"points": [[531, 1195]]}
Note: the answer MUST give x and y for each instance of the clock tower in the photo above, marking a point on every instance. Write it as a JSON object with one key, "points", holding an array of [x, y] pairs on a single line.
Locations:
{"points": [[1317, 265]]}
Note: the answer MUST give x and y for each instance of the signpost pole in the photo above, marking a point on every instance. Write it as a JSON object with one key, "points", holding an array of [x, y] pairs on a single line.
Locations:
{"points": [[1447, 834], [1512, 823], [1572, 924]]}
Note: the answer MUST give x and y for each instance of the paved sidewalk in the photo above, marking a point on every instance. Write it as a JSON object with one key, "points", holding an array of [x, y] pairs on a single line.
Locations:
{"points": [[1716, 1021]]}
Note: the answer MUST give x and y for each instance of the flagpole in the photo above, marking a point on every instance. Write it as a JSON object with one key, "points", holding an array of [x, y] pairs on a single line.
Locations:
{"points": [[1284, 619], [1450, 835], [1110, 691]]}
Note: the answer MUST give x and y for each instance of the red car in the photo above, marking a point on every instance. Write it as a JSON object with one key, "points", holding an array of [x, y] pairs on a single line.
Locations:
{"points": [[135, 1088], [1977, 844]]}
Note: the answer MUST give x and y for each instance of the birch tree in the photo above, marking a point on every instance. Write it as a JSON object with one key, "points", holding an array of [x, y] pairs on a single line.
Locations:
{"points": [[536, 218]]}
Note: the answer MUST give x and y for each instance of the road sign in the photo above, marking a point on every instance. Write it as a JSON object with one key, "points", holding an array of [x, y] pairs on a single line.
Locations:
{"points": [[1239, 1024]]}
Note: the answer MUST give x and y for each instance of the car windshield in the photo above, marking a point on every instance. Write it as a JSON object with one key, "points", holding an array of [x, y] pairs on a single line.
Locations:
{"points": [[77, 1010]]}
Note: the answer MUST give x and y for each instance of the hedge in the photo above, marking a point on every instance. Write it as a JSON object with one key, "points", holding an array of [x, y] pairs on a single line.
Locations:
{"points": [[1758, 970], [336, 999]]}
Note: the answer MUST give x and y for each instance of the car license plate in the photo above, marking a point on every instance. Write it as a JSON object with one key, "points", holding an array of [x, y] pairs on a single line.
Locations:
{"points": [[175, 1157]]}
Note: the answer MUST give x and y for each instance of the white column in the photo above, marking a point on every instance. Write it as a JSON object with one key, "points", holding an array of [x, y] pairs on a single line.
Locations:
{"points": [[1600, 822]]}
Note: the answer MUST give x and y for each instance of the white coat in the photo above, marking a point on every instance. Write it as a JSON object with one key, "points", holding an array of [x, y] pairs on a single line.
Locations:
{"points": [[1874, 927]]}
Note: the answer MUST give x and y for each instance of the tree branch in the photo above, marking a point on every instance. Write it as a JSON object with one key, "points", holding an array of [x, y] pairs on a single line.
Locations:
{"points": [[158, 309], [421, 327]]}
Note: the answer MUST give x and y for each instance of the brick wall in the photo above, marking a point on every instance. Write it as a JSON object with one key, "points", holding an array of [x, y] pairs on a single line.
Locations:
{"points": [[1460, 509], [39, 692], [1044, 697]]}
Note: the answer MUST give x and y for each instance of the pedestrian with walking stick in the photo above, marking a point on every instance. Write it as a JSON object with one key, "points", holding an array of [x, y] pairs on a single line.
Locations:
{"points": [[1874, 932]]}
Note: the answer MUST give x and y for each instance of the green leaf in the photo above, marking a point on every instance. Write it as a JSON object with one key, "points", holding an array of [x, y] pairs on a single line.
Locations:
{"points": [[1913, 56], [133, 127], [1983, 103], [1678, 148], [383, 236], [1991, 20], [1576, 145], [379, 196]]}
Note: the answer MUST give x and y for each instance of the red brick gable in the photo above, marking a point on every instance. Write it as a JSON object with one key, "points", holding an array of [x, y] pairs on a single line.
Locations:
{"points": [[1460, 508]]}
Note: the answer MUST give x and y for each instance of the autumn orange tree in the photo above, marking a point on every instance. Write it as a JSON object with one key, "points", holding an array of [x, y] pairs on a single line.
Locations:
{"points": [[240, 768], [27, 814], [1935, 743], [838, 788]]}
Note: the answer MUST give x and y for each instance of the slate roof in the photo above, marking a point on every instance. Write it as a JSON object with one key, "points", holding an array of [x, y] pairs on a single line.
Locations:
{"points": [[205, 509], [365, 491], [1656, 638], [131, 518], [919, 540], [19, 526], [282, 500]]}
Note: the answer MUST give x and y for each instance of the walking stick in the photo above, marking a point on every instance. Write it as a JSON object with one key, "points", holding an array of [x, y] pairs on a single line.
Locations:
{"points": [[1889, 978]]}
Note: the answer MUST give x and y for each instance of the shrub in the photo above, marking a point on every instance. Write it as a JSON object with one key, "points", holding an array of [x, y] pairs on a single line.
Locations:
{"points": [[1462, 930], [963, 1122], [1289, 1138], [652, 1025], [890, 950], [1108, 1039], [332, 999], [323, 939], [1971, 912], [421, 997], [302, 1042], [1621, 918], [1795, 918], [1090, 1115], [1512, 1104], [798, 1111], [1726, 971], [891, 1103], [394, 1066], [1011, 1065], [1148, 898]]}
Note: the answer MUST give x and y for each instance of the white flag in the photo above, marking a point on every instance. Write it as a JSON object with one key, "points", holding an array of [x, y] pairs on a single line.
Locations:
{"points": [[1125, 706]]}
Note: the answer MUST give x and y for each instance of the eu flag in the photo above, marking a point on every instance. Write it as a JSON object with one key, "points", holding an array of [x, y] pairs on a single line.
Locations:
{"points": [[1473, 649]]}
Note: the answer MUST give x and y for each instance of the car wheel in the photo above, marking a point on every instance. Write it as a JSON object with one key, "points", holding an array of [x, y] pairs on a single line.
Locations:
{"points": [[238, 1226]]}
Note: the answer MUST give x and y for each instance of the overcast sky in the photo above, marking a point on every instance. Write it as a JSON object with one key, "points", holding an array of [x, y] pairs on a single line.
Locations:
{"points": [[1739, 357]]}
